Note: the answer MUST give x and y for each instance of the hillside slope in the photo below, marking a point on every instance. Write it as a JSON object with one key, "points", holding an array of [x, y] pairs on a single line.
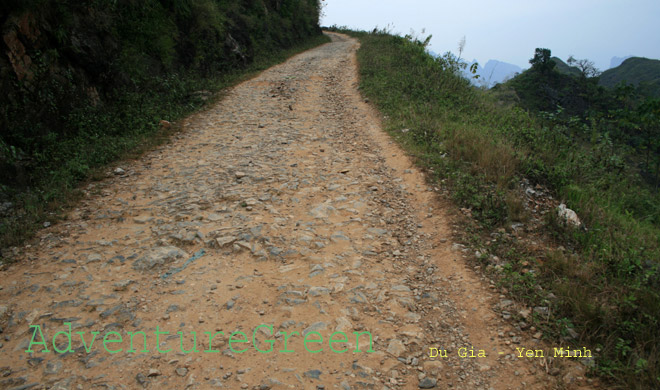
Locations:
{"points": [[563, 67], [635, 70], [83, 82]]}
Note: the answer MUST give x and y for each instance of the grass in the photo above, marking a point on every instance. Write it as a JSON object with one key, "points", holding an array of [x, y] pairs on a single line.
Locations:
{"points": [[108, 134], [601, 283]]}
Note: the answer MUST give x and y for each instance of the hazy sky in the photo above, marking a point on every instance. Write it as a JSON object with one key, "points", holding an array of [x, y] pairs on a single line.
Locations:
{"points": [[510, 30]]}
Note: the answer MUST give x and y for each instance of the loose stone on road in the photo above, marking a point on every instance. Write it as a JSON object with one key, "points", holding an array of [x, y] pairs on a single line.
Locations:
{"points": [[283, 212]]}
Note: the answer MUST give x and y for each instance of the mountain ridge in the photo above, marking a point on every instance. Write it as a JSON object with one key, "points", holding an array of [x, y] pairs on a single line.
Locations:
{"points": [[642, 72]]}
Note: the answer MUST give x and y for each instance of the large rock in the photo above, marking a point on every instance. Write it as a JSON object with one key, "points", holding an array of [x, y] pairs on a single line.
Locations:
{"points": [[428, 383], [322, 211], [568, 215], [158, 257], [396, 348]]}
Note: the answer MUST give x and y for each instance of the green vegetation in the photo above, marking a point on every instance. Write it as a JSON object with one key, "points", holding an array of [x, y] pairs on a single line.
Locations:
{"points": [[641, 72], [85, 82], [624, 118], [602, 284], [565, 68]]}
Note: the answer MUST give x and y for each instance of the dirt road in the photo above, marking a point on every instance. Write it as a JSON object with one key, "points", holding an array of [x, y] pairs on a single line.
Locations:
{"points": [[285, 213]]}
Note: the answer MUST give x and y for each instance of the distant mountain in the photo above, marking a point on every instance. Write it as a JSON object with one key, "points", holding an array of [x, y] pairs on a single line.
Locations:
{"points": [[635, 70], [497, 71], [616, 61], [493, 72]]}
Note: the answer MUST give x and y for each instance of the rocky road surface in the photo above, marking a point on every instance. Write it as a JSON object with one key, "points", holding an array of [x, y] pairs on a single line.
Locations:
{"points": [[283, 212]]}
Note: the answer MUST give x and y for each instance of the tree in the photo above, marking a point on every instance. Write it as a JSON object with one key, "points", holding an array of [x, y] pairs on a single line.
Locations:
{"points": [[461, 47], [542, 61], [587, 68]]}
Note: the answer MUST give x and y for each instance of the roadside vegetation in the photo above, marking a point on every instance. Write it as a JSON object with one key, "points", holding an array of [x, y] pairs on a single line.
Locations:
{"points": [[593, 149], [86, 83]]}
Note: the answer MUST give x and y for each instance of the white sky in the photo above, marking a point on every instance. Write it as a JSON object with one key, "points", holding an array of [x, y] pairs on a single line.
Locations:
{"points": [[510, 30]]}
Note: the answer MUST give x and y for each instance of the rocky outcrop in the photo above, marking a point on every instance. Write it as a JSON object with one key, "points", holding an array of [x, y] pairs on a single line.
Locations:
{"points": [[20, 28]]}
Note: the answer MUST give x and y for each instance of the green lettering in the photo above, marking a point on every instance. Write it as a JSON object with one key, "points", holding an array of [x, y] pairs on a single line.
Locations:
{"points": [[286, 342], [254, 338], [158, 333], [231, 341], [68, 336], [332, 341], [42, 342], [194, 349], [357, 342], [211, 350], [94, 334], [144, 345], [106, 341], [305, 341]]}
